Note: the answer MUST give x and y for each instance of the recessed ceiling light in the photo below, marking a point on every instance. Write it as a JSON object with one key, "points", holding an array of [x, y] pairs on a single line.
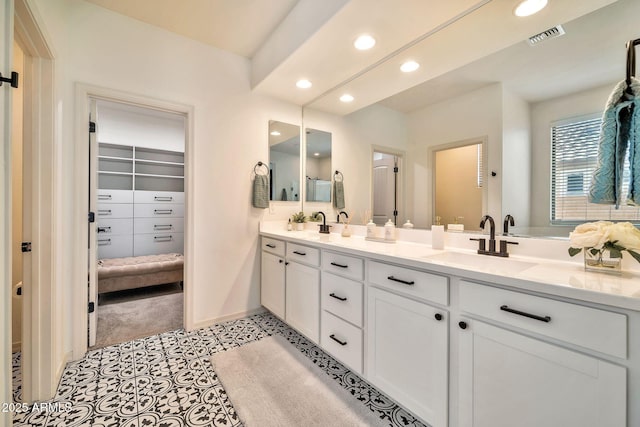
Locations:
{"points": [[346, 98], [529, 7], [275, 133], [409, 66], [316, 154], [364, 42], [303, 84]]}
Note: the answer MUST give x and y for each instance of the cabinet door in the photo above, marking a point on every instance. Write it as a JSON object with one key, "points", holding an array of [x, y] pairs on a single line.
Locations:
{"points": [[408, 354], [508, 379], [303, 300], [272, 284]]}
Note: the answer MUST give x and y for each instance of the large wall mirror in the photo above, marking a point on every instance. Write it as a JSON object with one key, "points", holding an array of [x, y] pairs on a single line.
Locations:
{"points": [[318, 166], [284, 161], [508, 98]]}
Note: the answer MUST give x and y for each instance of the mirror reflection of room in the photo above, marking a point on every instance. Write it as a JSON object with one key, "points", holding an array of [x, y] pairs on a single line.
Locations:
{"points": [[386, 188], [318, 166], [284, 161]]}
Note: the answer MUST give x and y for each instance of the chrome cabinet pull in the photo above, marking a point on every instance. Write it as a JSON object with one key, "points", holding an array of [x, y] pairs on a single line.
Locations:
{"points": [[104, 197], [299, 253], [161, 227], [163, 211], [104, 242], [104, 211], [339, 265], [163, 238], [337, 297], [545, 319], [333, 337], [404, 282], [163, 198]]}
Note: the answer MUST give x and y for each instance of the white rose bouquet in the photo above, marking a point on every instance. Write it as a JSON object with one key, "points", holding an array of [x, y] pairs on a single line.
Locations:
{"points": [[604, 235]]}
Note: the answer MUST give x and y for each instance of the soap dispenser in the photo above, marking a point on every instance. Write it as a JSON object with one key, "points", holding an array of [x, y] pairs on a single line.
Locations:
{"points": [[371, 229], [389, 231], [437, 235], [407, 224]]}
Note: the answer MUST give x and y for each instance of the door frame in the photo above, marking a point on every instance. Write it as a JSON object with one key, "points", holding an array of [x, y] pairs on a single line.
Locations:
{"points": [[400, 191], [83, 93]]}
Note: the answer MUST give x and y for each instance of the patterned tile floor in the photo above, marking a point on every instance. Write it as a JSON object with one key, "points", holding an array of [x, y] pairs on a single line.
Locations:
{"points": [[167, 380]]}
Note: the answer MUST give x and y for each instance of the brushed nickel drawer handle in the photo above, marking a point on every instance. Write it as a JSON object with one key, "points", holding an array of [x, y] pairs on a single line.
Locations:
{"points": [[104, 229], [404, 282], [104, 242], [163, 211], [104, 197], [337, 297], [333, 337], [545, 319], [339, 265], [161, 227], [104, 211], [163, 198], [163, 238]]}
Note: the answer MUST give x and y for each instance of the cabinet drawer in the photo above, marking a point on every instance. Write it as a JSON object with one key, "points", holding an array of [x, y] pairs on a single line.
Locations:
{"points": [[158, 197], [420, 284], [274, 246], [161, 243], [587, 327], [343, 265], [342, 297], [107, 227], [342, 340], [115, 210], [115, 196], [158, 225], [303, 254], [156, 210], [114, 246]]}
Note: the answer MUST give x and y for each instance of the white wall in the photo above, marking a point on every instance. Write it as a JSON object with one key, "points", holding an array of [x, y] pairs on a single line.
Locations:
{"points": [[542, 115], [98, 47], [474, 115]]}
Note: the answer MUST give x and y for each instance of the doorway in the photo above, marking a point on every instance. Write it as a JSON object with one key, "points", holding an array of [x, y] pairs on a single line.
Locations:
{"points": [[137, 191], [386, 197]]}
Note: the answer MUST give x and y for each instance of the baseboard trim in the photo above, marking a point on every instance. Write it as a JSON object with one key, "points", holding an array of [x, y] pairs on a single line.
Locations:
{"points": [[209, 322]]}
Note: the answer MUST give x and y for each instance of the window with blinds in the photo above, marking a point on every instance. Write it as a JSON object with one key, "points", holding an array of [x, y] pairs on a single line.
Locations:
{"points": [[574, 153]]}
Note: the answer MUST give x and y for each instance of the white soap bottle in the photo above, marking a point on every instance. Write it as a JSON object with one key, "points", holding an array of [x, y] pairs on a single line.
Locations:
{"points": [[371, 229], [407, 224], [437, 235], [389, 231]]}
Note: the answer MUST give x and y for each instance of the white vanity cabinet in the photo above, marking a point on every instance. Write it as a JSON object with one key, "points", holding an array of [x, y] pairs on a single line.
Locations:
{"points": [[302, 307], [508, 378], [408, 340], [272, 275]]}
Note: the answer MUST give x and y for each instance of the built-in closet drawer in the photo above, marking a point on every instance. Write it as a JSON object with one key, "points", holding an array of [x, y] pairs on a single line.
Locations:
{"points": [[342, 297], [114, 226], [303, 254], [421, 284], [147, 244], [343, 265], [342, 340], [114, 210], [158, 210], [592, 328], [117, 246], [158, 197], [274, 246], [158, 225], [115, 196]]}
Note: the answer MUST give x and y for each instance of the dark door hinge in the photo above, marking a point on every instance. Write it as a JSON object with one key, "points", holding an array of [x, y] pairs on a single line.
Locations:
{"points": [[92, 307], [92, 127], [396, 170], [13, 80], [92, 217], [26, 247]]}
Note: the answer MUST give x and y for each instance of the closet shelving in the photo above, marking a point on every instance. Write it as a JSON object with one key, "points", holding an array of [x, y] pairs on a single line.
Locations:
{"points": [[123, 167]]}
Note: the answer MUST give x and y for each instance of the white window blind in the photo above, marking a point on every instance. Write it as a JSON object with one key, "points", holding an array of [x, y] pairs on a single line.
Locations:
{"points": [[574, 153], [480, 167]]}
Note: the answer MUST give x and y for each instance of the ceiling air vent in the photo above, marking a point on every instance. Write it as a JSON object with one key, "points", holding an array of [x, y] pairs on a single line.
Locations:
{"points": [[551, 33]]}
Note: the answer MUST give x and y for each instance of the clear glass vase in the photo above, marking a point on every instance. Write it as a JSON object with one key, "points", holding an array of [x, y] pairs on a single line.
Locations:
{"points": [[601, 261]]}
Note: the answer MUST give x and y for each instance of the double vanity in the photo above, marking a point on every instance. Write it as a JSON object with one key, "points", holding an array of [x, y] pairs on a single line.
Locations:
{"points": [[462, 339]]}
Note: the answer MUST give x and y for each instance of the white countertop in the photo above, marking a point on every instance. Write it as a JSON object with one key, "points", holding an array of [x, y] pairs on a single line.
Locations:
{"points": [[561, 278]]}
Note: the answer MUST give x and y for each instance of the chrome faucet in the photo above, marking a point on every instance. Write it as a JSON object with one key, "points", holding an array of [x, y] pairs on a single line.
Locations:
{"points": [[492, 238], [508, 220], [341, 213], [324, 228]]}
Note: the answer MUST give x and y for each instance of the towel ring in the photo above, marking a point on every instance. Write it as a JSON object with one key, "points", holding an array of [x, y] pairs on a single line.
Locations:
{"points": [[259, 164], [338, 173]]}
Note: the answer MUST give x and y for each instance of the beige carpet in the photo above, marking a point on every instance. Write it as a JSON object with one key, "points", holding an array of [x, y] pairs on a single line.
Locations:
{"points": [[128, 315], [271, 383]]}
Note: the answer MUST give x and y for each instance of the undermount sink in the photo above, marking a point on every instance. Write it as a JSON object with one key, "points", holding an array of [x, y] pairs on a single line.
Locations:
{"points": [[482, 262]]}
